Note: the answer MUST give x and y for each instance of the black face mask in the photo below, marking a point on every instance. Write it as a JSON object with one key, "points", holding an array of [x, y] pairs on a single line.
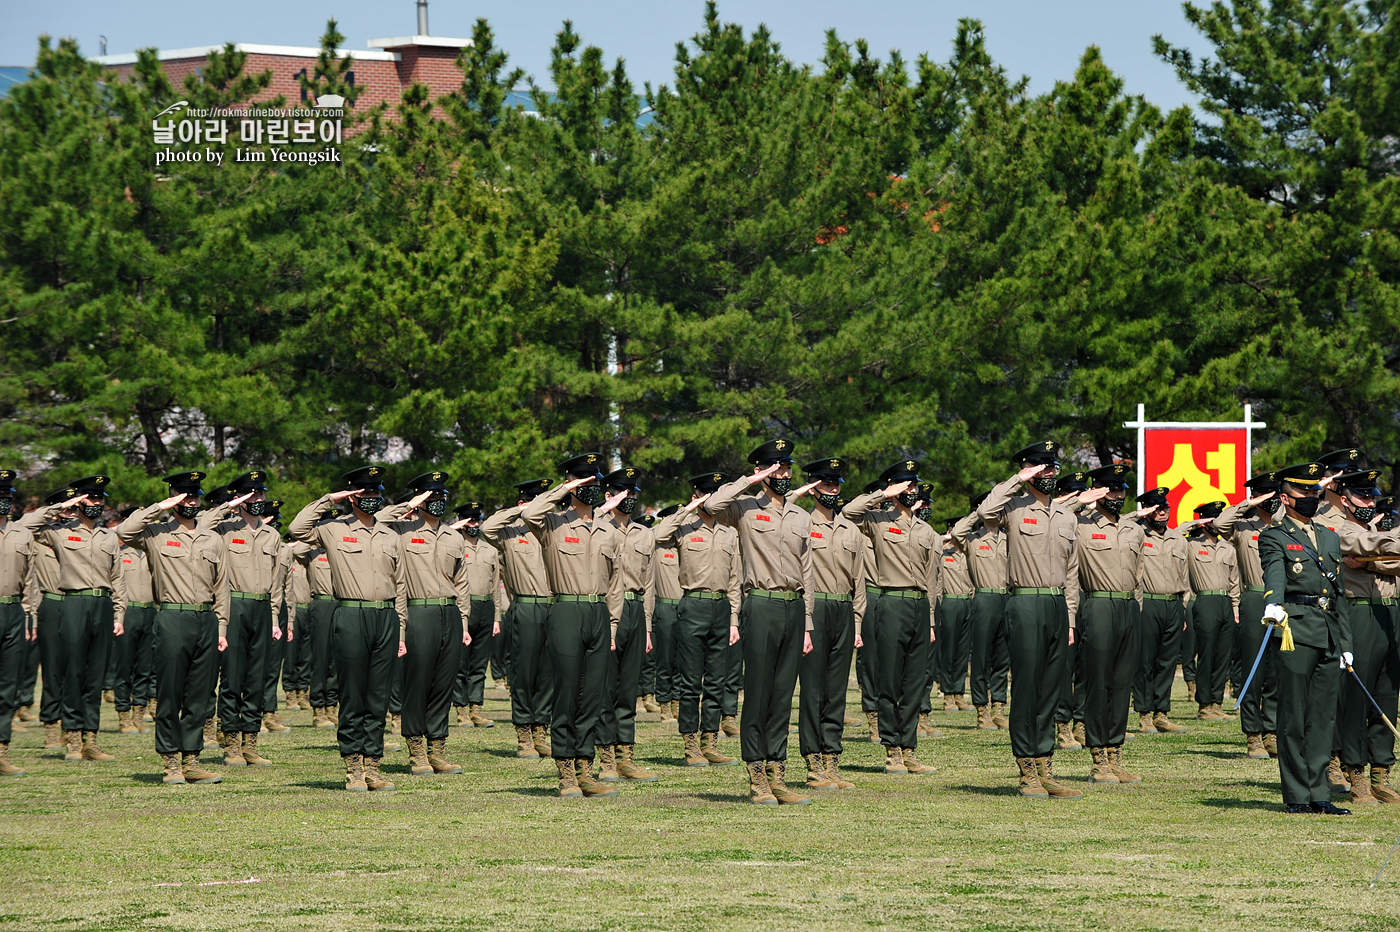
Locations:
{"points": [[1044, 484], [370, 505], [780, 487], [907, 499], [1272, 506], [591, 495], [7, 505], [255, 509], [1364, 515], [188, 512], [437, 507], [472, 530], [1307, 507], [827, 501], [1113, 506], [627, 505], [1387, 523], [93, 511], [1158, 526], [924, 514]]}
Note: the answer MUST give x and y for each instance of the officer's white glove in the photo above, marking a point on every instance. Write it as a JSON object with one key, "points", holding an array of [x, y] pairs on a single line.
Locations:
{"points": [[1274, 612], [1345, 659]]}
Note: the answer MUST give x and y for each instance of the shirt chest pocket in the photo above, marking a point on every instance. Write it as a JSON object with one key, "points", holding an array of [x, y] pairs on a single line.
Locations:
{"points": [[851, 546], [1034, 534], [173, 549], [239, 546], [1098, 541], [353, 547], [818, 540], [572, 544], [73, 545], [694, 544]]}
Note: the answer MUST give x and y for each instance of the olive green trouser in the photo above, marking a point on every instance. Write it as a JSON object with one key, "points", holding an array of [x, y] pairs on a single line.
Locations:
{"points": [[702, 634], [470, 686], [1259, 710], [1365, 739], [187, 666], [625, 676], [821, 705], [1214, 621], [243, 665], [663, 652], [1038, 629], [902, 645], [324, 685], [433, 637], [532, 677], [12, 654], [85, 629], [50, 618], [580, 639], [136, 677], [1309, 679], [772, 645], [1159, 648], [366, 643], [866, 661], [952, 652], [1107, 636], [991, 654]]}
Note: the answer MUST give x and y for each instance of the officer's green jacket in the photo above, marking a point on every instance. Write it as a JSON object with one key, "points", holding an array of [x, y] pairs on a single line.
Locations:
{"points": [[1290, 571]]}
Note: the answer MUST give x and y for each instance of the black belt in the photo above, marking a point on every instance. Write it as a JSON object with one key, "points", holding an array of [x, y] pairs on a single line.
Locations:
{"points": [[1323, 602]]}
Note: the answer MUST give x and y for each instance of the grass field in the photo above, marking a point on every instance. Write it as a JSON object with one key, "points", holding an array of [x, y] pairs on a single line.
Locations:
{"points": [[1203, 843]]}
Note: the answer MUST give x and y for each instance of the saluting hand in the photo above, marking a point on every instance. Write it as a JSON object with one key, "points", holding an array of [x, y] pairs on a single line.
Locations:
{"points": [[170, 502], [1029, 472], [1089, 496], [611, 502], [805, 489], [457, 526], [898, 488], [576, 482], [761, 474], [1261, 499], [234, 503], [695, 503], [419, 499], [344, 494]]}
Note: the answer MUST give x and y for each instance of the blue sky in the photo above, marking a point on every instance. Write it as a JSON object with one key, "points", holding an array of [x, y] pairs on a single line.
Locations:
{"points": [[1042, 39]]}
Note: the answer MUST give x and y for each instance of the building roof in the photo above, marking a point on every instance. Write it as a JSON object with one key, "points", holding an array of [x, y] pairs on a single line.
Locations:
{"points": [[10, 75], [292, 51]]}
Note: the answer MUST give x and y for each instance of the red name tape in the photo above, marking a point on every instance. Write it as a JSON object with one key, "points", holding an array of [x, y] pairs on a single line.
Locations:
{"points": [[238, 540], [1030, 521], [1254, 537], [1204, 553], [571, 540], [762, 518], [895, 530], [71, 537], [521, 540], [668, 556], [126, 559], [351, 540], [1099, 536], [950, 559], [984, 546], [697, 540], [322, 559], [172, 543], [417, 540], [818, 534], [1148, 543]]}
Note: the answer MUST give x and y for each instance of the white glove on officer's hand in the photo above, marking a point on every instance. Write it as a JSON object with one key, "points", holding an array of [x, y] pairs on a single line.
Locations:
{"points": [[1345, 659], [1274, 612]]}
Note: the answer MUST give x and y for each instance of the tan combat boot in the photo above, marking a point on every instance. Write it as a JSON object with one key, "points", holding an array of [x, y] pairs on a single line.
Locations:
{"points": [[53, 735], [872, 721], [194, 773], [395, 724], [1165, 724], [607, 764], [1271, 743], [913, 765], [373, 779], [1380, 785], [694, 754], [7, 768], [125, 726], [1078, 732], [1064, 737], [462, 719], [850, 718], [73, 743], [90, 749], [583, 767], [540, 735], [921, 730], [667, 715], [817, 777], [1336, 778], [478, 717], [1361, 794], [289, 696], [1206, 713], [232, 743], [211, 733], [321, 718], [1055, 788], [334, 712], [150, 710], [1145, 724], [1030, 779], [777, 784], [832, 763], [568, 780], [1254, 746], [961, 700], [250, 751], [760, 794], [709, 746], [649, 703], [1101, 772], [1115, 763], [418, 765], [271, 723], [304, 700], [629, 769], [676, 709], [108, 696], [894, 760], [999, 718], [1190, 690], [174, 773], [355, 773], [26, 713], [524, 746], [1225, 716], [949, 703], [730, 726], [139, 719], [437, 756], [984, 718]]}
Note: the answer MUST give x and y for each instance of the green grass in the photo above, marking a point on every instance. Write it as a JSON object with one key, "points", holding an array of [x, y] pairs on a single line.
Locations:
{"points": [[1203, 843]]}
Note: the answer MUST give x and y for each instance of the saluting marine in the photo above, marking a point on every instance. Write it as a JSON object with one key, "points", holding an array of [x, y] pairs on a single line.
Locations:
{"points": [[985, 546], [16, 577]]}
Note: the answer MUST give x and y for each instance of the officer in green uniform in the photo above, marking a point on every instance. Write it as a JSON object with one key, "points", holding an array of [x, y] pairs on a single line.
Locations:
{"points": [[1240, 524], [1302, 563], [190, 568], [1043, 562], [16, 576], [776, 614], [1215, 588], [617, 759], [985, 547], [368, 632], [527, 619], [838, 571], [583, 555], [907, 553]]}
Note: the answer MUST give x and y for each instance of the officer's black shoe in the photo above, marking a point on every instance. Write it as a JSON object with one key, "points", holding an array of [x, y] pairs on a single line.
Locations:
{"points": [[1326, 808], [1300, 809]]}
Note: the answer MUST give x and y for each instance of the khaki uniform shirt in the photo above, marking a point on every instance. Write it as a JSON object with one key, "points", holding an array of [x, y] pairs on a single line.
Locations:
{"points": [[708, 557], [298, 589], [582, 556], [1164, 563], [45, 560], [524, 571], [1212, 566], [189, 567], [1110, 553], [431, 566], [954, 573], [317, 564], [986, 551], [254, 558], [1233, 525], [483, 567], [907, 551], [363, 558], [87, 559], [16, 560], [666, 570], [838, 559], [1358, 540], [774, 540], [638, 548], [1041, 542], [136, 575]]}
